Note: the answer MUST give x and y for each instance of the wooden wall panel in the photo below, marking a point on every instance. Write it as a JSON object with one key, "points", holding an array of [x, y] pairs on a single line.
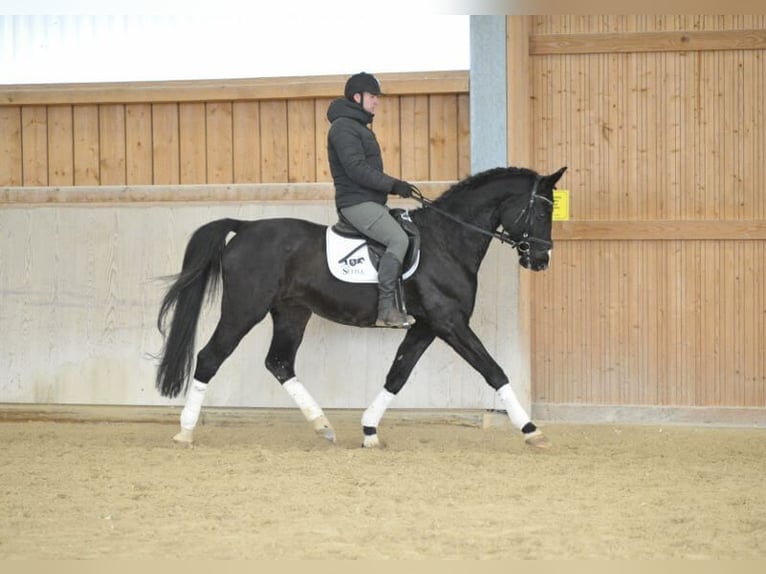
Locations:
{"points": [[246, 148], [219, 142], [651, 323], [274, 142], [443, 137], [388, 131], [463, 136], [415, 148], [192, 137], [665, 141], [301, 135], [10, 146], [695, 130], [251, 131], [87, 169], [138, 144], [60, 145], [112, 144], [321, 127], [166, 159], [34, 145]]}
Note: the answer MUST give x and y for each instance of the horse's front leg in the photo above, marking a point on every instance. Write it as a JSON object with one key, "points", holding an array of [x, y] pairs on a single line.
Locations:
{"points": [[467, 345], [417, 340]]}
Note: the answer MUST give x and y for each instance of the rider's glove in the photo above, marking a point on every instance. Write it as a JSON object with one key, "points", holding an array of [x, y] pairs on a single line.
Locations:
{"points": [[402, 188]]}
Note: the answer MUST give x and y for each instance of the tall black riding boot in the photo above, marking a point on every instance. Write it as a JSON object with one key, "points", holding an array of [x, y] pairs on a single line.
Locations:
{"points": [[389, 314]]}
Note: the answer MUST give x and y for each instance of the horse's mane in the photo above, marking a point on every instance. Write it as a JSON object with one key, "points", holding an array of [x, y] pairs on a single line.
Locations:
{"points": [[483, 177]]}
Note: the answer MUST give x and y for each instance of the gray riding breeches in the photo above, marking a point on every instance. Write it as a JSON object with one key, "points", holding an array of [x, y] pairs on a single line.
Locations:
{"points": [[375, 222]]}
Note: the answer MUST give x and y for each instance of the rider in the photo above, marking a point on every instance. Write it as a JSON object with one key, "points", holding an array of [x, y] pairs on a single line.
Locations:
{"points": [[362, 188]]}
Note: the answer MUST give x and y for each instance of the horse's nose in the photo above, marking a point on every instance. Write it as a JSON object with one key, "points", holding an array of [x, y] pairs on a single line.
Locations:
{"points": [[536, 264]]}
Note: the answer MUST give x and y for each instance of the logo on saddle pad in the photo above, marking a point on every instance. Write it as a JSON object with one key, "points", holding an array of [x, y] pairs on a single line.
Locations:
{"points": [[352, 259]]}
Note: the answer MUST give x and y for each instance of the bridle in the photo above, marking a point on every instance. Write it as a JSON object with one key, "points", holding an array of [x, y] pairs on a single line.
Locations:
{"points": [[523, 245]]}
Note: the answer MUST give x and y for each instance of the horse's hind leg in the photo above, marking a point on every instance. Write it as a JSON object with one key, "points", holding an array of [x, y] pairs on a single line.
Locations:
{"points": [[235, 322], [289, 326]]}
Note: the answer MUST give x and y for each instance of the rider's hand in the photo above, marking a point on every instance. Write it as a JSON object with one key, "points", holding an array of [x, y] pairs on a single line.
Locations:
{"points": [[402, 188]]}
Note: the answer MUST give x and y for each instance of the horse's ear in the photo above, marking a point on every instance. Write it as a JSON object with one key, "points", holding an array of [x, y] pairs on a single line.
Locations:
{"points": [[554, 177]]}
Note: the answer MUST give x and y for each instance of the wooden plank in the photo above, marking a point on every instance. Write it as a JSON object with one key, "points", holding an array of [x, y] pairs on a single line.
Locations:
{"points": [[463, 136], [753, 86], [414, 144], [160, 162], [295, 87], [220, 162], [166, 148], [60, 146], [387, 129], [34, 145], [301, 154], [518, 126], [659, 230], [755, 325], [218, 193], [193, 142], [729, 416], [709, 370], [246, 138], [138, 144], [442, 135], [87, 170], [730, 123], [321, 127], [112, 144], [10, 146], [274, 143], [625, 42], [519, 119]]}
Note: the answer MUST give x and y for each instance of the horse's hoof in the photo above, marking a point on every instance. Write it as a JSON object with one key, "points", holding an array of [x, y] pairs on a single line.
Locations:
{"points": [[537, 439], [323, 428], [327, 434], [371, 441], [184, 437]]}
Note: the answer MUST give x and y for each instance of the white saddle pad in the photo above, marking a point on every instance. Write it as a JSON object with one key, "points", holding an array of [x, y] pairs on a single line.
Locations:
{"points": [[349, 260]]}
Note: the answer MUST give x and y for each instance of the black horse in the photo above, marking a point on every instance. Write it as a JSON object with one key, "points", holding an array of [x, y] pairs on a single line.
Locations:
{"points": [[278, 266]]}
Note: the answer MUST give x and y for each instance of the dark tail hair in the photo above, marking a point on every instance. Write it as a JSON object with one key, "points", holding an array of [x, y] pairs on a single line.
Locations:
{"points": [[201, 273]]}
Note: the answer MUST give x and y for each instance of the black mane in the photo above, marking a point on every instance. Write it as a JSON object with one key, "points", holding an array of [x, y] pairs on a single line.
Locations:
{"points": [[482, 177]]}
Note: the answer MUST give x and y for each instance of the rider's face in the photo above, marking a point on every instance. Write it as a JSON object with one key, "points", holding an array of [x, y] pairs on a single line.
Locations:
{"points": [[369, 101]]}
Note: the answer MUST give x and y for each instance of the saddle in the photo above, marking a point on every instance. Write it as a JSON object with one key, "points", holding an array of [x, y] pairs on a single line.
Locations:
{"points": [[354, 258]]}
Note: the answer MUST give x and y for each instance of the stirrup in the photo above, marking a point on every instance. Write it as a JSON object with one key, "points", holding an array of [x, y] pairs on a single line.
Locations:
{"points": [[402, 322]]}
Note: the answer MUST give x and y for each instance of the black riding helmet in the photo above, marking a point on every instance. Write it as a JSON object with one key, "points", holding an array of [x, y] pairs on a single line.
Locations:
{"points": [[360, 83]]}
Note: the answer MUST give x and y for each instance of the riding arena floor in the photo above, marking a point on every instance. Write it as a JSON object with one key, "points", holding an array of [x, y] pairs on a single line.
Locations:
{"points": [[442, 487]]}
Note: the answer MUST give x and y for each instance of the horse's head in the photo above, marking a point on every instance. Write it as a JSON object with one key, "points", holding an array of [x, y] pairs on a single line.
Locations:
{"points": [[530, 226]]}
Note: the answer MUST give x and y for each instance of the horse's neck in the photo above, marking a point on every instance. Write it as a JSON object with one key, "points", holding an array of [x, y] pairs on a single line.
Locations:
{"points": [[465, 243], [478, 208]]}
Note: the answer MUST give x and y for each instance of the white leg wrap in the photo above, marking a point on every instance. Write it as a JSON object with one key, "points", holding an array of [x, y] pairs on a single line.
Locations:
{"points": [[516, 412], [190, 413], [374, 412], [303, 399]]}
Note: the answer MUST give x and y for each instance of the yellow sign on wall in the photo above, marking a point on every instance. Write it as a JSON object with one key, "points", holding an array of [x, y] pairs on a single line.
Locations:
{"points": [[560, 205]]}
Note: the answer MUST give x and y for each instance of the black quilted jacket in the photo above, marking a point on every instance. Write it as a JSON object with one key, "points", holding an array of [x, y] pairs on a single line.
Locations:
{"points": [[354, 154]]}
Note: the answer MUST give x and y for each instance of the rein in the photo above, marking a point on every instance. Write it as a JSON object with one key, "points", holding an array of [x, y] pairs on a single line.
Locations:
{"points": [[503, 236]]}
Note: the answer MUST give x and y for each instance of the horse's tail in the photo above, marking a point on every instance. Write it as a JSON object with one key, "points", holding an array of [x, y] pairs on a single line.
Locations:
{"points": [[201, 273]]}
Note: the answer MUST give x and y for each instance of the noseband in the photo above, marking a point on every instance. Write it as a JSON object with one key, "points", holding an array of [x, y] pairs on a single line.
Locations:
{"points": [[524, 245], [527, 214]]}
